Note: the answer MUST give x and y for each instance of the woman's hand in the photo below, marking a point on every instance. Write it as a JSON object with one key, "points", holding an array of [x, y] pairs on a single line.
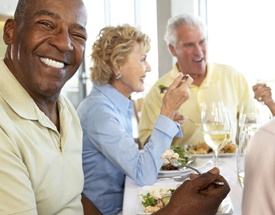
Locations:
{"points": [[179, 118], [176, 95], [263, 94]]}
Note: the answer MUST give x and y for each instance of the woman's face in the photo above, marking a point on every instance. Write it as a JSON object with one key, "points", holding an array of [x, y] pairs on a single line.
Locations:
{"points": [[133, 72]]}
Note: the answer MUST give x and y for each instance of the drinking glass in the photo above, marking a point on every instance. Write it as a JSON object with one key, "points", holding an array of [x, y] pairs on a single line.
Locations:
{"points": [[248, 107], [252, 115], [249, 118], [215, 126], [250, 125], [255, 110]]}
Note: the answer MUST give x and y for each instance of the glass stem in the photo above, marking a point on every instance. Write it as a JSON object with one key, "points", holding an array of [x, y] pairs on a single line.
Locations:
{"points": [[216, 158]]}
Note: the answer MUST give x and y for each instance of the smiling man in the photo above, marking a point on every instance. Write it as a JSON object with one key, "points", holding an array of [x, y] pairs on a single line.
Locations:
{"points": [[187, 42], [40, 135]]}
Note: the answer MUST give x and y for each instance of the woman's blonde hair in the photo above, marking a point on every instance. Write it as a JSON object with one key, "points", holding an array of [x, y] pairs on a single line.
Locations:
{"points": [[112, 48]]}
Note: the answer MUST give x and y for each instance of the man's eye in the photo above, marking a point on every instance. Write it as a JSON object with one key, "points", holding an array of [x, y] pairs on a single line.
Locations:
{"points": [[80, 36], [46, 24], [187, 45]]}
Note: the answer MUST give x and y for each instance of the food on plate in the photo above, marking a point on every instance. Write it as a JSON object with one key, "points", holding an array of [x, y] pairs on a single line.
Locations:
{"points": [[168, 166], [199, 148], [175, 152], [156, 198], [169, 153], [163, 88], [166, 198], [151, 209], [203, 148], [229, 148]]}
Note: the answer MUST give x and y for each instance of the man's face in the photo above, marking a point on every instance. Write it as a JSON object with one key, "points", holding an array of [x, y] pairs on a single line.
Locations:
{"points": [[190, 50], [47, 45]]}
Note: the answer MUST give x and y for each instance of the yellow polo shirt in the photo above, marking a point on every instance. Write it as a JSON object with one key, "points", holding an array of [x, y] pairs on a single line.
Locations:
{"points": [[40, 168], [222, 83]]}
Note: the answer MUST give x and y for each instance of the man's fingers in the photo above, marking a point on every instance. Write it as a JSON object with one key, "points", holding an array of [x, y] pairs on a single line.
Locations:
{"points": [[207, 178]]}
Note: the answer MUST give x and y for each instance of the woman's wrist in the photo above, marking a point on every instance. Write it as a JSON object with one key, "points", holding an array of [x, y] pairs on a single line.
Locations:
{"points": [[271, 107]]}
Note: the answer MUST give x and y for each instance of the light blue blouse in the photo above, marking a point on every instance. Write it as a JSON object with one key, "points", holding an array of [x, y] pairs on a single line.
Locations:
{"points": [[109, 150]]}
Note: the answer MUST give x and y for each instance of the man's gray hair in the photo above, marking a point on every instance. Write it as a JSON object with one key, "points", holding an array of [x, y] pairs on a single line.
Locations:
{"points": [[175, 22]]}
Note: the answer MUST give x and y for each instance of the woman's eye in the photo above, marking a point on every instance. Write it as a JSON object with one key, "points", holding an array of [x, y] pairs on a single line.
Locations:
{"points": [[203, 42], [143, 59]]}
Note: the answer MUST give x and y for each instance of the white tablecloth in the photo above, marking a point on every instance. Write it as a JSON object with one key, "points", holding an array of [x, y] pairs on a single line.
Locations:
{"points": [[227, 167]]}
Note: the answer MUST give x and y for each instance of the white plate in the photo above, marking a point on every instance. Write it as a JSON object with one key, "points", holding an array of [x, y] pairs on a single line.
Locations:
{"points": [[145, 190], [211, 155], [226, 207], [198, 163]]}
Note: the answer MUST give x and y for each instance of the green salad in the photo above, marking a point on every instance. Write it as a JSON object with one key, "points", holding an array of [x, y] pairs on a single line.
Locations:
{"points": [[162, 88], [184, 156], [150, 200]]}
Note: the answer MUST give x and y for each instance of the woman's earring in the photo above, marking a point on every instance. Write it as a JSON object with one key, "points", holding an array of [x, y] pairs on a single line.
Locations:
{"points": [[118, 76]]}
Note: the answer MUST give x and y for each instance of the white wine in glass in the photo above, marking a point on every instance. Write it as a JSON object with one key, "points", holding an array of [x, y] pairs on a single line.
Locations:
{"points": [[241, 178], [215, 126], [249, 126]]}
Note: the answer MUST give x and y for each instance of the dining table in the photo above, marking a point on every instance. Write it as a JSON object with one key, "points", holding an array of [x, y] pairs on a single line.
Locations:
{"points": [[228, 168]]}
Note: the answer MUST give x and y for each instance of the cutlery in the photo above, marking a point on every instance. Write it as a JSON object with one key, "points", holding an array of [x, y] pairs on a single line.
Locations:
{"points": [[180, 178], [178, 165], [191, 120]]}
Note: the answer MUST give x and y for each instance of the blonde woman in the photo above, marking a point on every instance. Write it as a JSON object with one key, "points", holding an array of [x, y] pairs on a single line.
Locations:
{"points": [[109, 150]]}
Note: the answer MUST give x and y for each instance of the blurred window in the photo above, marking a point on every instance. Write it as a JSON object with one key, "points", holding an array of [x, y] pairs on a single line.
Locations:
{"points": [[241, 34], [139, 13]]}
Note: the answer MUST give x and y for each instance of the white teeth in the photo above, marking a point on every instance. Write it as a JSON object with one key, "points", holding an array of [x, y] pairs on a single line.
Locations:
{"points": [[52, 63]]}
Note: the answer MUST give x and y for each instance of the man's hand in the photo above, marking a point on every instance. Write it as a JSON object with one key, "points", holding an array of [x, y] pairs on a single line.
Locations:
{"points": [[198, 196]]}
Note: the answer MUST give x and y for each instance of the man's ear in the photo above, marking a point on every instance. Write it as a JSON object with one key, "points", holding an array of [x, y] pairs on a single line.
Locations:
{"points": [[172, 50], [8, 31]]}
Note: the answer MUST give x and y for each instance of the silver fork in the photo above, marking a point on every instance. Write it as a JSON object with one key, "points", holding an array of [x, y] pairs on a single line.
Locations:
{"points": [[178, 165], [191, 120]]}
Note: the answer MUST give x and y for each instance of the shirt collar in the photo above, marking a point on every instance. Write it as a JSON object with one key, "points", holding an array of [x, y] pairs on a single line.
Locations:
{"points": [[21, 102], [15, 95], [211, 77], [118, 99]]}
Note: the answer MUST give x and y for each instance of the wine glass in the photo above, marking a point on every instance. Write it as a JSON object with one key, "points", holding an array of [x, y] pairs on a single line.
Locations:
{"points": [[252, 115], [250, 120], [215, 126], [250, 125], [253, 109]]}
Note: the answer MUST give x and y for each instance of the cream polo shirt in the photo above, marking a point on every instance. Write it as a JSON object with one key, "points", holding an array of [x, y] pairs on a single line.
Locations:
{"points": [[222, 82], [40, 168]]}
